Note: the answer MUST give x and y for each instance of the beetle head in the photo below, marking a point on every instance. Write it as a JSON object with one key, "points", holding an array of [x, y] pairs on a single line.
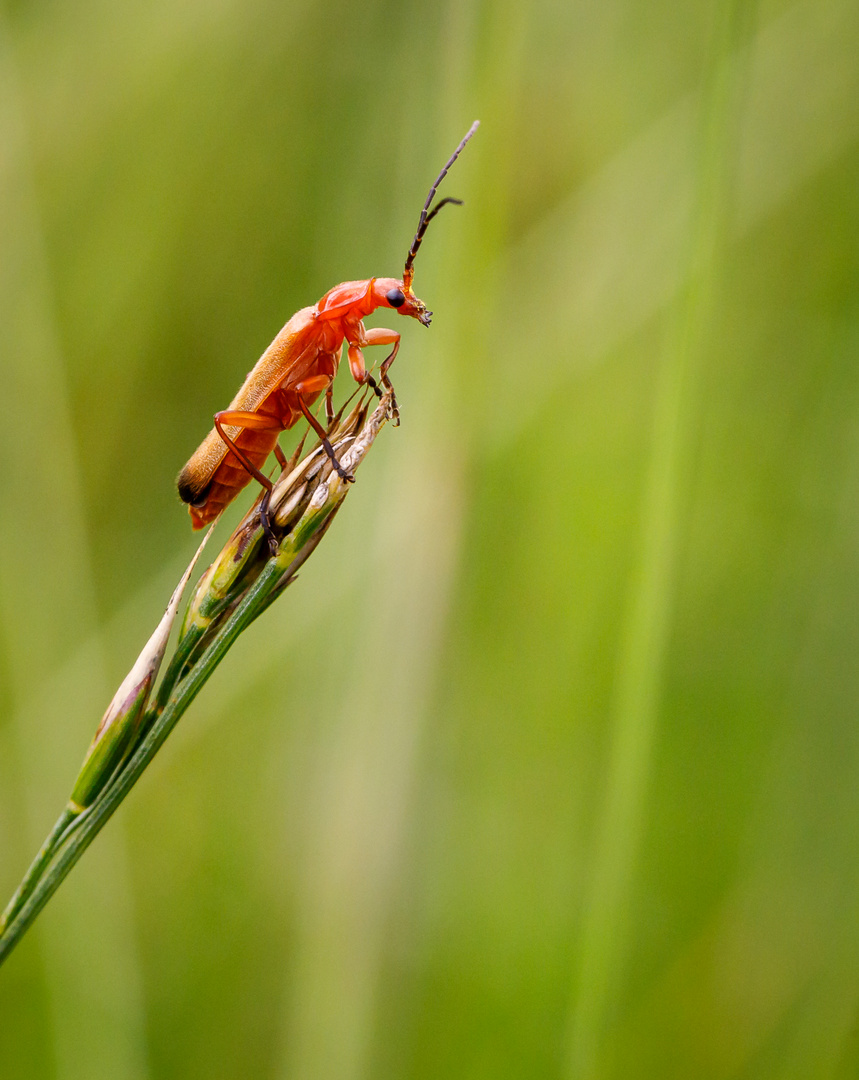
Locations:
{"points": [[396, 294]]}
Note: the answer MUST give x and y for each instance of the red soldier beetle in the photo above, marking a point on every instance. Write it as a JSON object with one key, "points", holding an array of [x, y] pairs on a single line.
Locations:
{"points": [[294, 370]]}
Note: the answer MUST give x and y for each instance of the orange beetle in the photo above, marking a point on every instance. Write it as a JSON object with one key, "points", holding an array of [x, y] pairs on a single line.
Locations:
{"points": [[291, 374]]}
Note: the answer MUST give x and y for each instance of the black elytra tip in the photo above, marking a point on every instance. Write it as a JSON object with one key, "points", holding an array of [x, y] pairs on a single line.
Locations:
{"points": [[395, 297], [190, 494]]}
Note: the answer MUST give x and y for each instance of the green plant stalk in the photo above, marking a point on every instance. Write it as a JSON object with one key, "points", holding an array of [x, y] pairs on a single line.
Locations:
{"points": [[77, 827], [88, 824], [37, 867], [115, 737]]}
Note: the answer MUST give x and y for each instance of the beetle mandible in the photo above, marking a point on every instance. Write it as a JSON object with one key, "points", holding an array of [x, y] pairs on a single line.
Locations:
{"points": [[294, 370]]}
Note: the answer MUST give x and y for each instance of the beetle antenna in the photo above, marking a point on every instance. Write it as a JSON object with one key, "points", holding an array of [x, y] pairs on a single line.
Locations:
{"points": [[427, 215]]}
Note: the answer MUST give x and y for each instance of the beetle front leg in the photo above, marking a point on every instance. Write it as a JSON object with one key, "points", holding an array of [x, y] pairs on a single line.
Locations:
{"points": [[359, 372], [377, 336]]}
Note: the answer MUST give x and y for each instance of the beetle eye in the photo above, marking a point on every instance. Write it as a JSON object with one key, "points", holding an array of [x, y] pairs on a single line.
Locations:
{"points": [[395, 297]]}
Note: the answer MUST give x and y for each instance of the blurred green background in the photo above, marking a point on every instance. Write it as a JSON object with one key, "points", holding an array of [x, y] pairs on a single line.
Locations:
{"points": [[547, 767]]}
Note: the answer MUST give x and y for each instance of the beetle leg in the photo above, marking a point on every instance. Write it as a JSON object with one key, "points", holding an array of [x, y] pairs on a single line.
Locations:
{"points": [[358, 370], [329, 404], [265, 521], [380, 336], [320, 431], [363, 377], [280, 456], [260, 423], [389, 359], [245, 420], [312, 385]]}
